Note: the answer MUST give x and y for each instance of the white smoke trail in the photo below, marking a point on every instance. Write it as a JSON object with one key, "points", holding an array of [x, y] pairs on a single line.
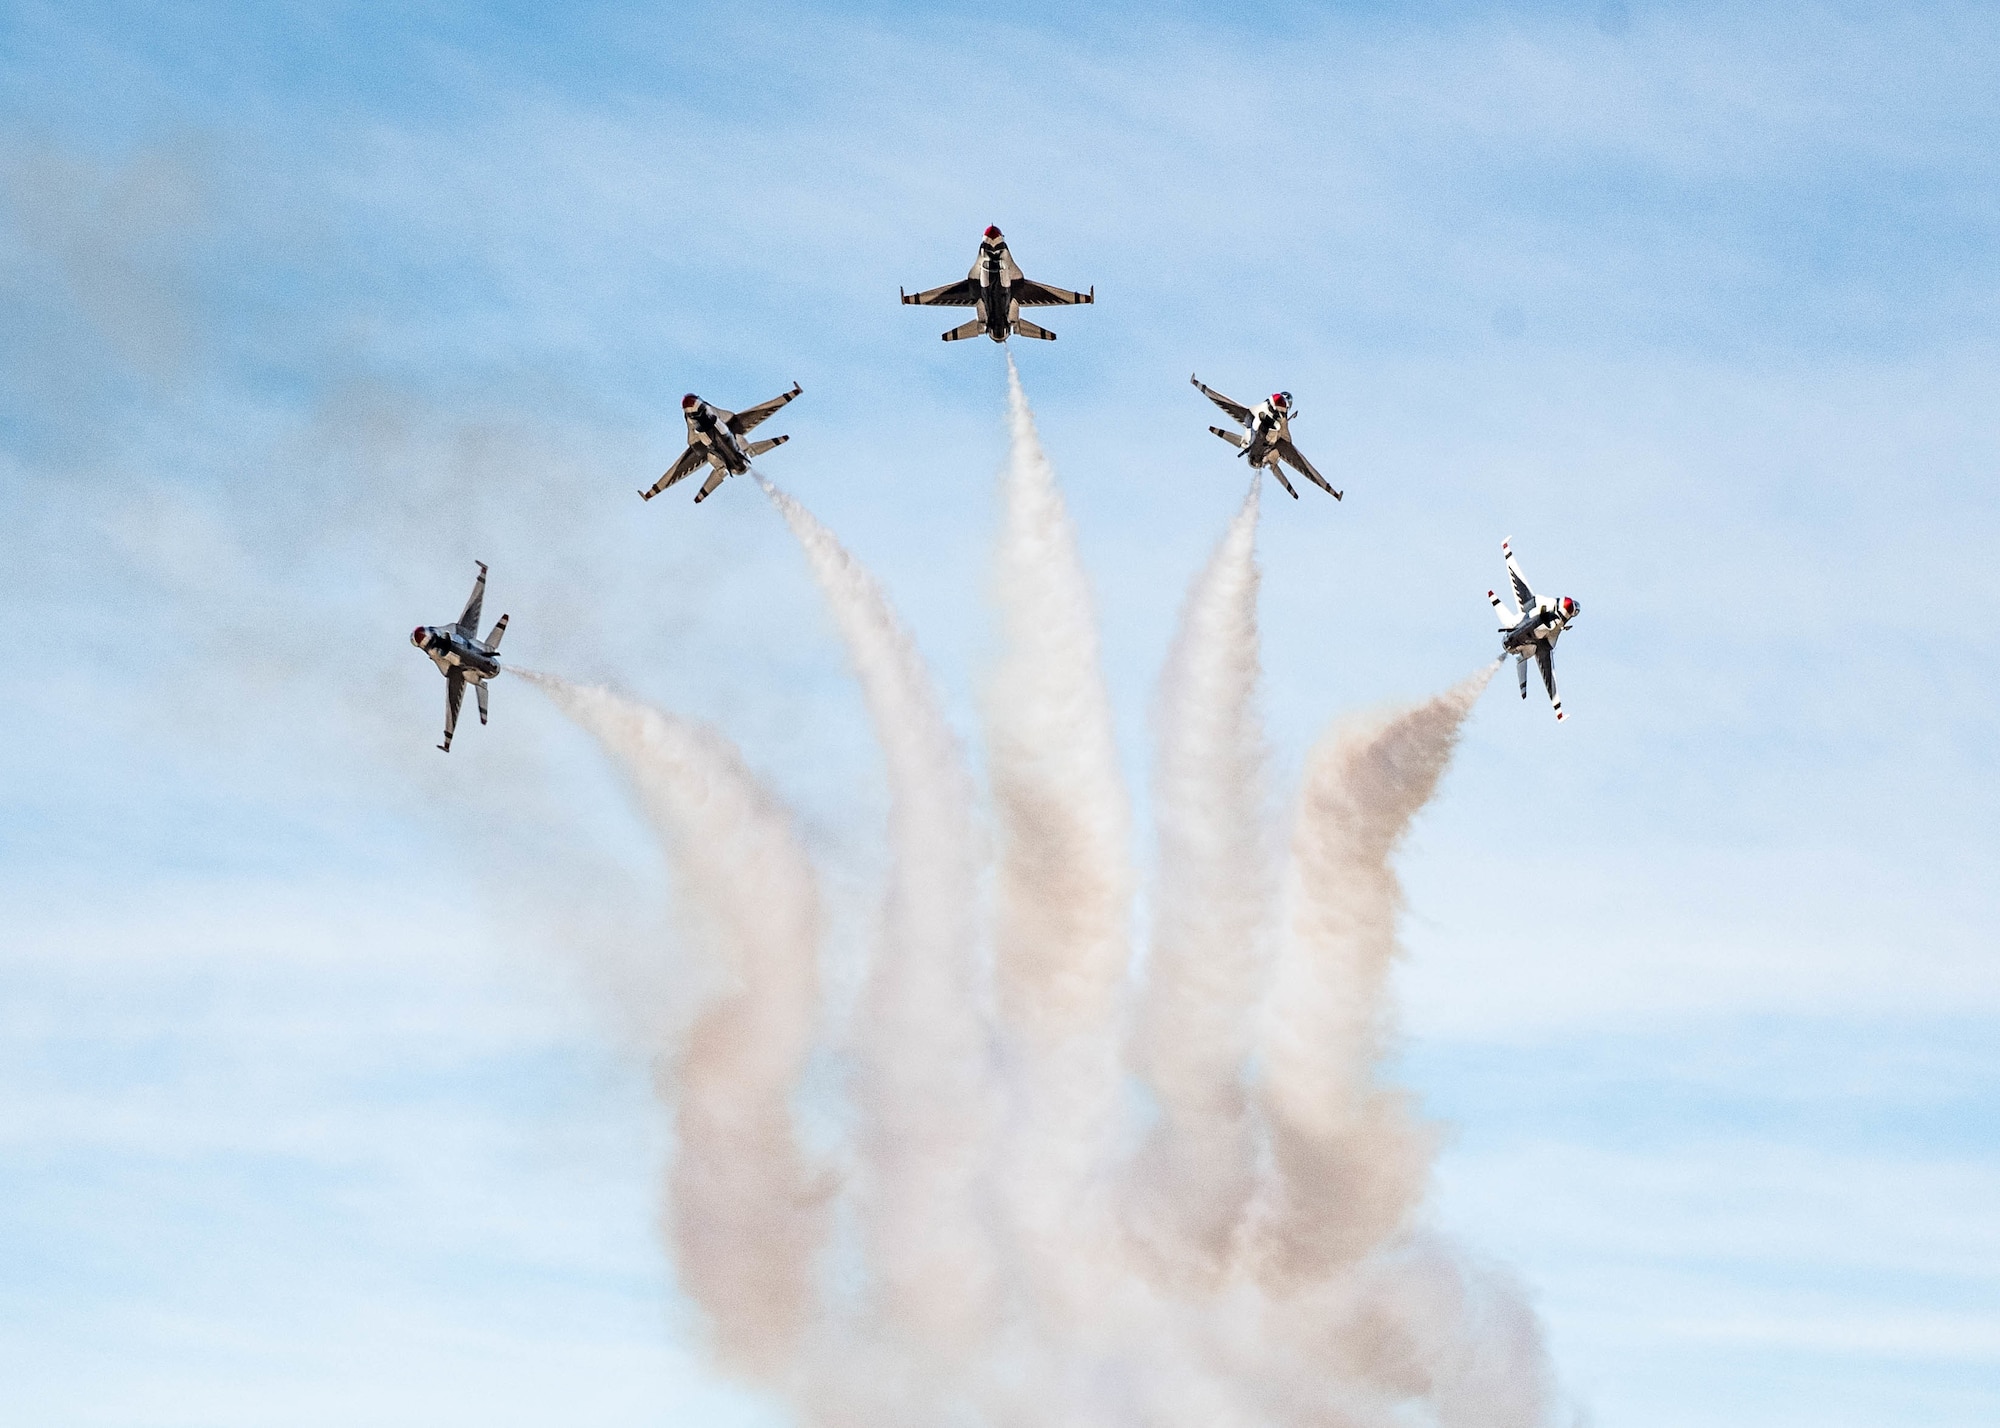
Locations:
{"points": [[1065, 858], [747, 1213], [1061, 940], [1211, 905], [927, 1101], [1351, 1160]]}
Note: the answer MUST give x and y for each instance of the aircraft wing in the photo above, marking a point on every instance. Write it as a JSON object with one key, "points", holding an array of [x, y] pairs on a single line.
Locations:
{"points": [[749, 417], [468, 620], [1292, 457], [454, 695], [1238, 413], [963, 293], [1031, 294], [1523, 596], [690, 461], [1545, 659]]}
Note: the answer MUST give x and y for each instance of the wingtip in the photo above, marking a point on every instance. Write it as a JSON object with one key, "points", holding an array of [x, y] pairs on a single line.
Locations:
{"points": [[482, 566]]}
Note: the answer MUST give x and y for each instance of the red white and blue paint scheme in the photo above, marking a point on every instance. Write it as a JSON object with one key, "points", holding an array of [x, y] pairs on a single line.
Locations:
{"points": [[461, 656], [1268, 439], [997, 290], [715, 438], [1534, 630]]}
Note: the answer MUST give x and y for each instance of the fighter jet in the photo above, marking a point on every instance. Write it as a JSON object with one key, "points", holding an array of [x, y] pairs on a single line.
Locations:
{"points": [[1534, 630], [714, 437], [461, 656], [997, 290], [1270, 438]]}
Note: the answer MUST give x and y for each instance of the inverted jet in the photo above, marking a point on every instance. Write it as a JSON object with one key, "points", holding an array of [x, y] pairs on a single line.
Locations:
{"points": [[715, 438], [997, 290], [1534, 630], [461, 656], [1268, 440]]}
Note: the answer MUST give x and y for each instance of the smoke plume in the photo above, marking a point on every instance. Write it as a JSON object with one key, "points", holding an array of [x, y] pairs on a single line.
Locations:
{"points": [[1021, 1240], [1213, 896], [927, 1101], [1064, 885], [1351, 1159], [747, 1214]]}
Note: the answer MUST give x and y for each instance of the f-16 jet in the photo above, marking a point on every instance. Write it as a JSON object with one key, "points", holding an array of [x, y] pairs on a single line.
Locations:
{"points": [[997, 290], [715, 438], [461, 656], [1533, 631], [1269, 438]]}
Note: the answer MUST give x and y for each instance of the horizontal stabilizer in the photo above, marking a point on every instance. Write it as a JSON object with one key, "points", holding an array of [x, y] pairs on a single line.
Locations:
{"points": [[758, 448], [1025, 328], [479, 691], [1232, 437], [499, 629], [974, 328], [1508, 619]]}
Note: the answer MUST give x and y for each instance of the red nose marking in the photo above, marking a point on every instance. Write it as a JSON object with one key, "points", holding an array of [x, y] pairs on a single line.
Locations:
{"points": [[690, 400], [417, 635], [991, 231]]}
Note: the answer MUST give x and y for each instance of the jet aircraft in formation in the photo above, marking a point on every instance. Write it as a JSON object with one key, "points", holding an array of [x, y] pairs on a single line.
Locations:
{"points": [[996, 290], [1269, 438], [461, 656], [715, 438], [1534, 630]]}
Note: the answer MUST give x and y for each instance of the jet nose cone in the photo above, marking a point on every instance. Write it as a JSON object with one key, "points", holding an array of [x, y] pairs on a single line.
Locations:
{"points": [[991, 231], [417, 636], [690, 400]]}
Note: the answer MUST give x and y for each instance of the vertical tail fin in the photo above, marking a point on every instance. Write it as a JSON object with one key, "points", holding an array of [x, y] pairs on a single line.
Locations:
{"points": [[1508, 619]]}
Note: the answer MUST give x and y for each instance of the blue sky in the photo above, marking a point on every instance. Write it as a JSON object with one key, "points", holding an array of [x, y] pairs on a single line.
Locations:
{"points": [[313, 1110]]}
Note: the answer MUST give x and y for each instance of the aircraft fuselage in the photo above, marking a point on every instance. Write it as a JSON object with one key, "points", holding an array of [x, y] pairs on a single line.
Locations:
{"points": [[1541, 625], [717, 441], [996, 297], [1268, 427], [452, 652]]}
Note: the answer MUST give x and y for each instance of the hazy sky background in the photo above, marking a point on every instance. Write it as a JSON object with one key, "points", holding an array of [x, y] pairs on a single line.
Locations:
{"points": [[323, 1085]]}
